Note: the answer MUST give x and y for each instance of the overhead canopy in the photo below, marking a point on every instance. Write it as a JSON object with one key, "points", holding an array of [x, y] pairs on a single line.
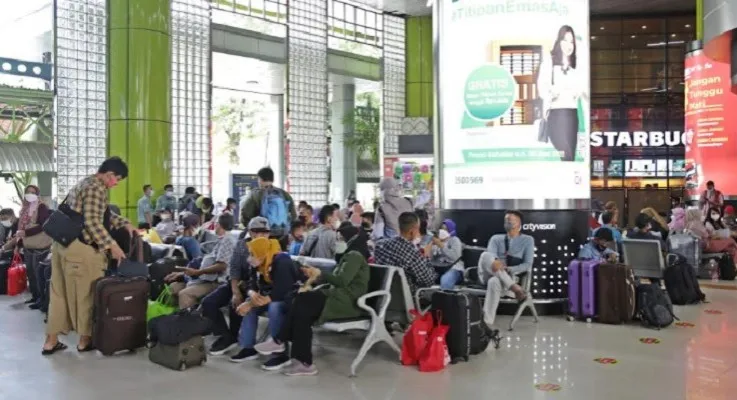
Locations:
{"points": [[26, 157]]}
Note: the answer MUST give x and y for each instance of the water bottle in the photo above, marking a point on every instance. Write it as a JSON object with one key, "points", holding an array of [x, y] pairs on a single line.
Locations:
{"points": [[714, 270]]}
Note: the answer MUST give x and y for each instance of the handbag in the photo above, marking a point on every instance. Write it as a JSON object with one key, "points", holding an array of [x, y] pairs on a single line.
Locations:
{"points": [[38, 241], [17, 281], [161, 306], [415, 339], [436, 356], [64, 225]]}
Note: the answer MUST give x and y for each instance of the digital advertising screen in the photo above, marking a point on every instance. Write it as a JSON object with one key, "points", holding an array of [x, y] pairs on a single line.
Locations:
{"points": [[514, 99], [711, 125]]}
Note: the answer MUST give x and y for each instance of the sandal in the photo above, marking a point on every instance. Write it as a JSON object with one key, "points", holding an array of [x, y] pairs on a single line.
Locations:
{"points": [[87, 348], [59, 346]]}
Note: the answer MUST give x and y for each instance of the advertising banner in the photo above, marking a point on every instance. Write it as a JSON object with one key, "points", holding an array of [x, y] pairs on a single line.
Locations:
{"points": [[514, 99], [711, 125]]}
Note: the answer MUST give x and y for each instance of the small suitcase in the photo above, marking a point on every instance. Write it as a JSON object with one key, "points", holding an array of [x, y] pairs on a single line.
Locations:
{"points": [[616, 297], [727, 271], [158, 270], [582, 289], [468, 334], [120, 306], [45, 279], [190, 353]]}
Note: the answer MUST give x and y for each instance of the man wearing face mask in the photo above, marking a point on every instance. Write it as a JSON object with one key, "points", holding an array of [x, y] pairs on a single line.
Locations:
{"points": [[190, 285], [167, 201], [145, 210], [74, 268], [711, 198], [597, 248], [512, 254], [320, 243], [8, 225], [401, 251]]}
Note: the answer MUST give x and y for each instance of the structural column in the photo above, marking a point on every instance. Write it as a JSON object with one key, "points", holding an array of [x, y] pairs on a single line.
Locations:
{"points": [[139, 86], [419, 67], [343, 169]]}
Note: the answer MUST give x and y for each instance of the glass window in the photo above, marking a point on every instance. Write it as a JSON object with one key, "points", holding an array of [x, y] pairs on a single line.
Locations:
{"points": [[606, 85], [606, 71], [606, 57], [605, 42], [686, 24], [643, 26], [606, 27]]}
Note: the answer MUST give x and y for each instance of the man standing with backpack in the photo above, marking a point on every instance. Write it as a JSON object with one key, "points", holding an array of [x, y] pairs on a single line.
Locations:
{"points": [[272, 203]]}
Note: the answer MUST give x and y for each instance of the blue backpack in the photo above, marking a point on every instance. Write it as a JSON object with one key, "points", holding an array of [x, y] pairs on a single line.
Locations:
{"points": [[275, 208]]}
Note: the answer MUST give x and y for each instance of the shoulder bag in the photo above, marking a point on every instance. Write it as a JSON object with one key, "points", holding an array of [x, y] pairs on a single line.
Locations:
{"points": [[38, 241], [64, 225]]}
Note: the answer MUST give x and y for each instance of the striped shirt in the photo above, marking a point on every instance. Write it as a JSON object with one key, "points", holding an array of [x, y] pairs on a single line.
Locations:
{"points": [[89, 198]]}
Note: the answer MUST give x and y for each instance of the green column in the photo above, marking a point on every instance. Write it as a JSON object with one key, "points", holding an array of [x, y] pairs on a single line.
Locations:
{"points": [[699, 19], [139, 87], [419, 79]]}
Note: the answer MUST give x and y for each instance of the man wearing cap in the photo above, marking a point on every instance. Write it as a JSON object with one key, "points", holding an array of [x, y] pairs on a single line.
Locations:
{"points": [[597, 249], [191, 246], [232, 293]]}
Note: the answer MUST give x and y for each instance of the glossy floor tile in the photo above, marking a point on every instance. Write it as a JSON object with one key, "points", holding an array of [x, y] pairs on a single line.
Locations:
{"points": [[697, 360]]}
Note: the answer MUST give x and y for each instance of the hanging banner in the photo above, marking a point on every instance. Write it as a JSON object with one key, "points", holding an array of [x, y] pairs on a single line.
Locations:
{"points": [[506, 68], [710, 125]]}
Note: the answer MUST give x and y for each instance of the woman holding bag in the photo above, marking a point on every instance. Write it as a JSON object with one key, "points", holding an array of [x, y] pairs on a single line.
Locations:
{"points": [[34, 242]]}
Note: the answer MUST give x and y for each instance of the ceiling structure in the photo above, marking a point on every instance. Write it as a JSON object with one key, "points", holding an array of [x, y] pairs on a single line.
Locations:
{"points": [[598, 7]]}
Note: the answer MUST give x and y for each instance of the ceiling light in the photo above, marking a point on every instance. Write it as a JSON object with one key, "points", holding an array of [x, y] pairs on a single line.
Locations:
{"points": [[673, 35], [687, 25], [593, 37], [633, 36], [602, 28], [644, 27]]}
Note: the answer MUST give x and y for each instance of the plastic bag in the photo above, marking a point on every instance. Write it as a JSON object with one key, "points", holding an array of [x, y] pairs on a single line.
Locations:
{"points": [[415, 339], [17, 280]]}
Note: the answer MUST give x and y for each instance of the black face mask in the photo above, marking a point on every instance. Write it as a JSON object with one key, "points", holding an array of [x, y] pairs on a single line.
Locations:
{"points": [[366, 226]]}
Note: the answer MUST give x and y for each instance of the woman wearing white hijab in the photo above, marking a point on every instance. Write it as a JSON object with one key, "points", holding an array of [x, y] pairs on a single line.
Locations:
{"points": [[391, 205]]}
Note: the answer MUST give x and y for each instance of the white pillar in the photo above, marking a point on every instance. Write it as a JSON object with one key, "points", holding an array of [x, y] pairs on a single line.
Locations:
{"points": [[343, 168]]}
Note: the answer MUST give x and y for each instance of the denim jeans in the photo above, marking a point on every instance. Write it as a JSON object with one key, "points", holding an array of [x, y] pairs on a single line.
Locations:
{"points": [[275, 312], [211, 305], [450, 278]]}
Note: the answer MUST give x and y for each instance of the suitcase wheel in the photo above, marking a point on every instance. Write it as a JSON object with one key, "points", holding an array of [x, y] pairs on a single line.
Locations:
{"points": [[182, 366], [588, 320], [202, 349], [570, 318]]}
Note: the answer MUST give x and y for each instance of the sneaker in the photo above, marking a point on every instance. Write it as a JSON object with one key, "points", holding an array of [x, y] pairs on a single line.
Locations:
{"points": [[276, 363], [244, 355], [222, 346], [269, 347], [301, 369]]}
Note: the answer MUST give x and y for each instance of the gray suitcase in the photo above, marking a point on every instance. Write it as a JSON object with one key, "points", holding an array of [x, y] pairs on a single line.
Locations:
{"points": [[190, 353]]}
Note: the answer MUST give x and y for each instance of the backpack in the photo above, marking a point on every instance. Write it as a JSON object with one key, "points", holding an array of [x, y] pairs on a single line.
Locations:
{"points": [[653, 306], [275, 208], [681, 282], [727, 271]]}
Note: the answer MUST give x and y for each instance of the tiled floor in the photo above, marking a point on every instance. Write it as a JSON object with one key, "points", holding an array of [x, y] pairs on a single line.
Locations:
{"points": [[690, 362]]}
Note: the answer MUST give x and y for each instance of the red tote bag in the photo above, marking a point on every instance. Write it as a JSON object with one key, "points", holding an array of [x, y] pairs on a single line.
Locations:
{"points": [[415, 339], [16, 276], [436, 355]]}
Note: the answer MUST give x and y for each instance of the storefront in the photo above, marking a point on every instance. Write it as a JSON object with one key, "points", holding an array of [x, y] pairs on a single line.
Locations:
{"points": [[637, 138]]}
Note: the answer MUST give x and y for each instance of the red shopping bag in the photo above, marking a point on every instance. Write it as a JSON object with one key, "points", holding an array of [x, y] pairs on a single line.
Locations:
{"points": [[415, 339], [436, 355], [16, 276]]}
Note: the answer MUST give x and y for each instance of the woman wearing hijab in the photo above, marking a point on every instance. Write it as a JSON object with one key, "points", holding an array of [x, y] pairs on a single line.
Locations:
{"points": [[709, 243], [678, 220], [392, 204], [446, 252], [270, 287], [350, 238], [347, 282], [34, 242]]}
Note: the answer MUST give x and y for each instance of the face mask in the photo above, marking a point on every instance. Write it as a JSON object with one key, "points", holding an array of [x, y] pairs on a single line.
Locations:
{"points": [[443, 234], [169, 193], [150, 193], [715, 217], [336, 224], [508, 226], [341, 247], [31, 198], [6, 224], [166, 217], [416, 241]]}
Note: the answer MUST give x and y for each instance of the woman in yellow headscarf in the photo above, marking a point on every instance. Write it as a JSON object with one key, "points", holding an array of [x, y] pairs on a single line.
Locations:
{"points": [[271, 284]]}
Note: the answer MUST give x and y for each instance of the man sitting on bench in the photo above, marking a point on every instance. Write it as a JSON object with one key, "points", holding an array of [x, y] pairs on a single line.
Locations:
{"points": [[512, 254]]}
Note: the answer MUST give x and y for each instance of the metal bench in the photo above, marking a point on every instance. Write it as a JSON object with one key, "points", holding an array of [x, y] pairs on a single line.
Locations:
{"points": [[645, 257]]}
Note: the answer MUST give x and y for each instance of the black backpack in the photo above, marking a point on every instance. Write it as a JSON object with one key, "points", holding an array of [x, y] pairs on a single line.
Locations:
{"points": [[653, 306], [177, 328], [727, 271], [681, 281]]}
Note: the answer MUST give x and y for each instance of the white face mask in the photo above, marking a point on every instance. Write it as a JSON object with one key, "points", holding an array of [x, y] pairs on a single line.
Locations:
{"points": [[341, 247], [336, 224], [6, 224], [443, 234], [166, 217], [169, 193], [715, 217], [416, 241], [31, 198]]}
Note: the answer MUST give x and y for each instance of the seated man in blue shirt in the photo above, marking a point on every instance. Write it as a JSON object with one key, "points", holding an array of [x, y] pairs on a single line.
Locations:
{"points": [[606, 219], [596, 248], [512, 254]]}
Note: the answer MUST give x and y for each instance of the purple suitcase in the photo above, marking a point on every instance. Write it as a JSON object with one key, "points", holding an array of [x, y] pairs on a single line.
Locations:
{"points": [[582, 288]]}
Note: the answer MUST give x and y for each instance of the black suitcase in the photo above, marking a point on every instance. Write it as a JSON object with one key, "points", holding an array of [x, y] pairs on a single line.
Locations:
{"points": [[158, 270], [120, 306], [468, 334], [45, 279], [4, 267], [727, 271], [190, 353]]}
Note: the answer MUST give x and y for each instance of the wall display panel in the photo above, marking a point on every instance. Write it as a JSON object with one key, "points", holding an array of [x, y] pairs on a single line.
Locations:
{"points": [[486, 156], [190, 95], [80, 123]]}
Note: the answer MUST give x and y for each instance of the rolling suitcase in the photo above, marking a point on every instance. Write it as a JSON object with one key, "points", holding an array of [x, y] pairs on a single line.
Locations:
{"points": [[45, 279], [582, 289], [190, 353], [120, 314], [468, 334], [4, 267], [158, 270], [616, 297]]}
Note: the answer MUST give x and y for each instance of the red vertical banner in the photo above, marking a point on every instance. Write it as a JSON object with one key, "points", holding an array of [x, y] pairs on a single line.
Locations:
{"points": [[389, 166], [710, 125]]}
